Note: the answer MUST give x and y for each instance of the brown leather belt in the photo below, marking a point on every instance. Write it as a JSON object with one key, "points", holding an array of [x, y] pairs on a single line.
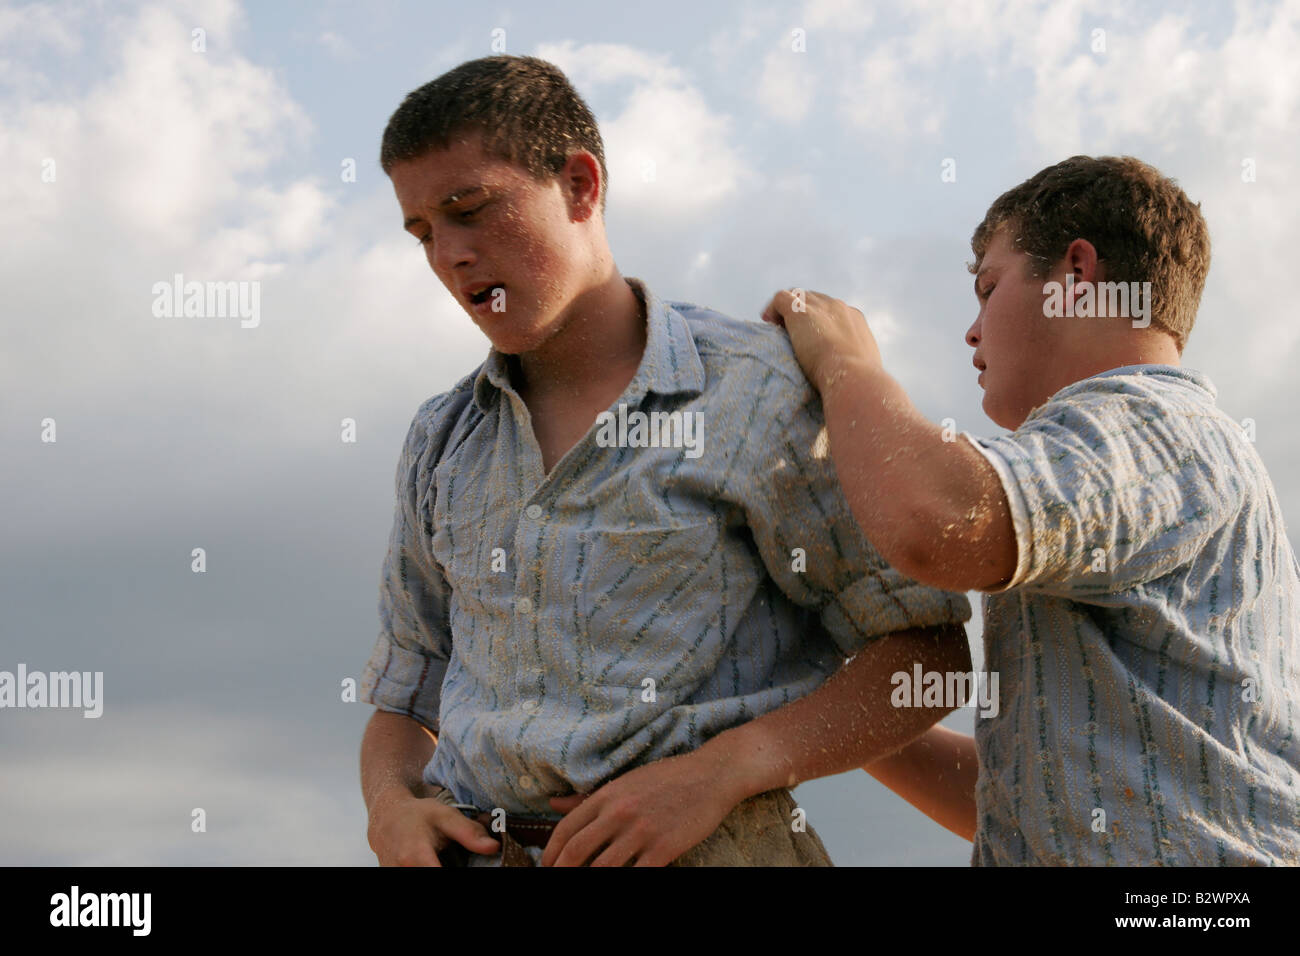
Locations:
{"points": [[520, 832], [526, 831]]}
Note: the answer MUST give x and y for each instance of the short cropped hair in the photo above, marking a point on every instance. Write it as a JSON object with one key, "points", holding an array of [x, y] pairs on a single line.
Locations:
{"points": [[525, 108], [1142, 224]]}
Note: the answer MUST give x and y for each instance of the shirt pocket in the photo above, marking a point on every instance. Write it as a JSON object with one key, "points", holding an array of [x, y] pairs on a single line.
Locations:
{"points": [[648, 594]]}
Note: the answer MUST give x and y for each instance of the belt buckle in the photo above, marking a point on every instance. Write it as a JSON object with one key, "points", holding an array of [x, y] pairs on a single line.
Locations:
{"points": [[513, 852]]}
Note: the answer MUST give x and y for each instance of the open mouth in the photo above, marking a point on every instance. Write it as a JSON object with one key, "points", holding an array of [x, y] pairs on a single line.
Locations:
{"points": [[478, 298]]}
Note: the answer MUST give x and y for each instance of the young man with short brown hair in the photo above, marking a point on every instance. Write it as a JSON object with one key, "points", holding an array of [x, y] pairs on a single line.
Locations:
{"points": [[1141, 594], [642, 627]]}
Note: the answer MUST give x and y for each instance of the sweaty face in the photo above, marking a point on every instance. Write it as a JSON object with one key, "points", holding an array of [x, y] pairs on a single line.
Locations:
{"points": [[502, 242], [1015, 345]]}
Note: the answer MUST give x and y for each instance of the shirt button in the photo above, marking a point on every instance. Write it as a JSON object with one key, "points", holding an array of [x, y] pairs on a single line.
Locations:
{"points": [[526, 782], [533, 511], [531, 705], [525, 606]]}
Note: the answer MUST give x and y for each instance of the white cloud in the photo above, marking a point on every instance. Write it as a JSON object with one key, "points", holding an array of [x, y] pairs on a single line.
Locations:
{"points": [[1192, 96], [599, 64], [787, 85], [170, 161], [337, 46], [727, 48], [163, 147], [162, 165], [1196, 103], [840, 16], [885, 101], [34, 26], [670, 156]]}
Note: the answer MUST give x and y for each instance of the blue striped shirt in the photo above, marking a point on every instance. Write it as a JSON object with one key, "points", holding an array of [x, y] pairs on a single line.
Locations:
{"points": [[1148, 648], [558, 629]]}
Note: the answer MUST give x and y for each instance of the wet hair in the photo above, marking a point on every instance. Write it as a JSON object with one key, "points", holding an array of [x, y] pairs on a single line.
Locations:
{"points": [[525, 108], [1141, 223]]}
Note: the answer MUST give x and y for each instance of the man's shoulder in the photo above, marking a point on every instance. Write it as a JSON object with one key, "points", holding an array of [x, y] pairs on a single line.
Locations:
{"points": [[739, 349], [450, 401], [1178, 404], [1132, 426], [437, 418], [1137, 385]]}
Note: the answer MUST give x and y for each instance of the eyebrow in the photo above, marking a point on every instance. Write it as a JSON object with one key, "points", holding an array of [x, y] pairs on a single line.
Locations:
{"points": [[978, 275], [453, 197]]}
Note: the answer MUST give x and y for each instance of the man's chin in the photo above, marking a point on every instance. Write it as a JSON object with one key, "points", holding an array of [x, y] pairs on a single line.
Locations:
{"points": [[514, 346], [995, 413], [507, 341], [1000, 415], [512, 340]]}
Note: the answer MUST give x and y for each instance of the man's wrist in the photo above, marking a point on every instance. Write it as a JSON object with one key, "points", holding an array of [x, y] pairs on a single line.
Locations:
{"points": [[745, 762], [838, 370], [397, 794]]}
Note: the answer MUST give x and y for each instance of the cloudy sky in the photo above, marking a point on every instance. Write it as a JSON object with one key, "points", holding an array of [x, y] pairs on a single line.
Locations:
{"points": [[130, 156]]}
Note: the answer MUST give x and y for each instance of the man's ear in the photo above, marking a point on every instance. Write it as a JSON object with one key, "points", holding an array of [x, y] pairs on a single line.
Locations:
{"points": [[1080, 267], [1081, 261], [582, 184]]}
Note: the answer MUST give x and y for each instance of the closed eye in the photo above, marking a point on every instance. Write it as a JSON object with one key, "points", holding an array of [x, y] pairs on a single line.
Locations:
{"points": [[465, 215]]}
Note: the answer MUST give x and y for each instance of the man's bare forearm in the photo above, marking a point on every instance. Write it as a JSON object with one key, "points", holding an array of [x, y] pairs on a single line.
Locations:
{"points": [[847, 722], [936, 774], [933, 507], [394, 752]]}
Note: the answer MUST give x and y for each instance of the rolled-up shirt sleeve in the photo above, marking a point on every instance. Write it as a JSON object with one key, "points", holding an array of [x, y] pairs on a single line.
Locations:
{"points": [[1109, 490], [405, 671], [812, 545]]}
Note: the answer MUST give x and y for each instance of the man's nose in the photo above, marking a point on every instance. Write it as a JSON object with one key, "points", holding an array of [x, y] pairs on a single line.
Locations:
{"points": [[973, 334], [451, 250]]}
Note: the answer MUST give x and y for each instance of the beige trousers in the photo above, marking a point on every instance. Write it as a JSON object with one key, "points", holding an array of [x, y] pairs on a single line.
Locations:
{"points": [[759, 831]]}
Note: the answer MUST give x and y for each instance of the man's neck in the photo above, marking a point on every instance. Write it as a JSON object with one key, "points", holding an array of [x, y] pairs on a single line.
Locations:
{"points": [[599, 346], [1116, 349]]}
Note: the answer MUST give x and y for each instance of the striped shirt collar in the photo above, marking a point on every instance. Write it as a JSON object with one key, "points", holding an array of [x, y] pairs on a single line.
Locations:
{"points": [[1199, 379], [669, 365]]}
